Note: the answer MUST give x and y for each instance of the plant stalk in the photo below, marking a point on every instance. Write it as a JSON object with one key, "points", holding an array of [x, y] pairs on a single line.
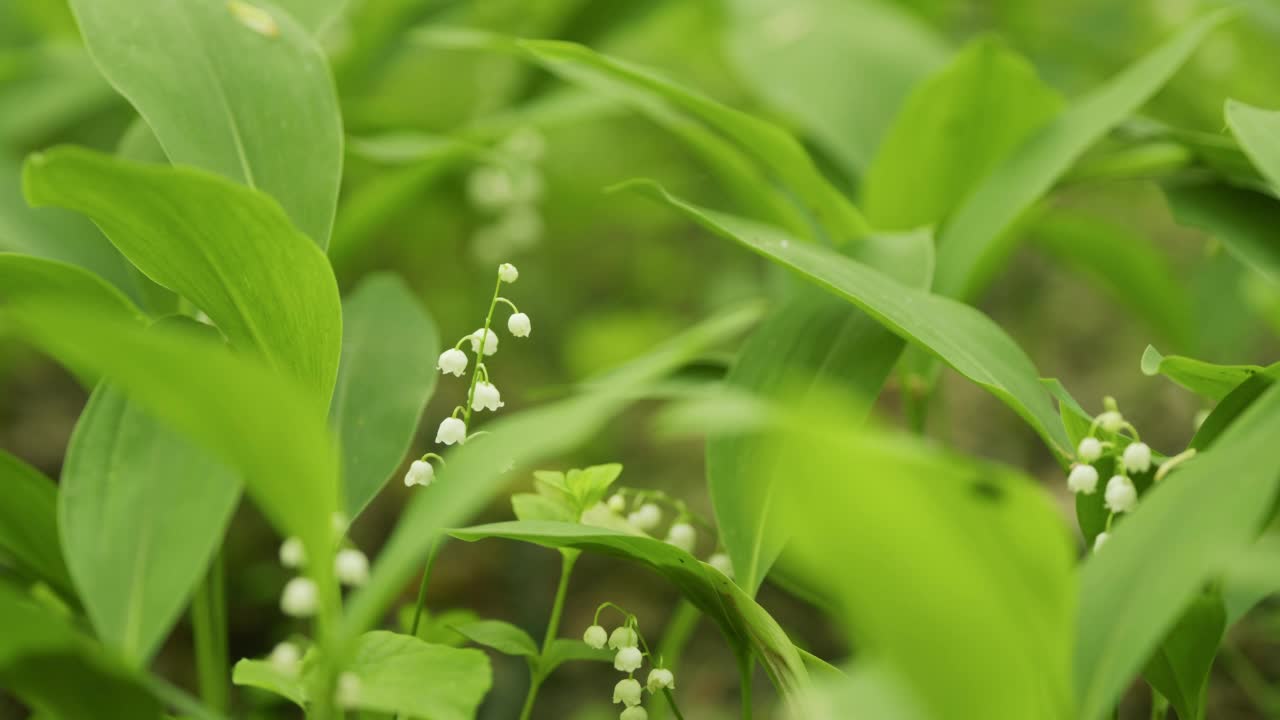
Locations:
{"points": [[567, 560], [209, 628], [746, 666]]}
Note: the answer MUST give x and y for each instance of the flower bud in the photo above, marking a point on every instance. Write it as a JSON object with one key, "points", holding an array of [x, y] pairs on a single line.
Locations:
{"points": [[420, 473], [660, 678], [348, 694], [1137, 457], [508, 273], [635, 712], [595, 637], [646, 518], [490, 341], [1121, 494], [452, 362], [617, 503], [683, 536], [627, 691], [628, 659], [1101, 540], [623, 637], [351, 567], [452, 430], [1111, 421], [285, 657], [486, 397], [300, 598], [518, 325], [1090, 450], [721, 562], [292, 553], [1083, 479]]}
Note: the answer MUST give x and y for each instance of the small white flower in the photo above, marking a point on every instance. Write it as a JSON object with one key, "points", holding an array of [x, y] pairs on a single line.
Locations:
{"points": [[1101, 540], [1083, 479], [628, 659], [660, 678], [486, 397], [1090, 450], [527, 144], [1137, 457], [627, 691], [452, 362], [351, 566], [421, 473], [285, 657], [338, 522], [646, 518], [721, 562], [490, 341], [518, 325], [683, 536], [452, 430], [623, 637], [348, 695], [617, 503], [595, 637], [292, 553], [490, 187], [1111, 421], [635, 712], [508, 273], [300, 598], [1121, 494]]}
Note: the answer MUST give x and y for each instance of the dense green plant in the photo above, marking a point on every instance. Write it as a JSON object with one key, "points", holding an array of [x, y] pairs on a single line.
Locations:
{"points": [[238, 328]]}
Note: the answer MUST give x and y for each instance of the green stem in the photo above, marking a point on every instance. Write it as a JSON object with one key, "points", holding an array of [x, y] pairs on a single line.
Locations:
{"points": [[475, 372], [209, 626], [567, 560], [671, 646], [1159, 705], [671, 701], [746, 666], [422, 587]]}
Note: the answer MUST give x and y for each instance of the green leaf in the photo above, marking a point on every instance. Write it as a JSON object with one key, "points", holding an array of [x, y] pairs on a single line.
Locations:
{"points": [[257, 421], [255, 106], [28, 275], [954, 128], [28, 523], [402, 674], [785, 53], [476, 471], [1198, 516], [1228, 410], [976, 548], [1241, 220], [812, 341], [262, 674], [565, 650], [974, 231], [1180, 668], [228, 249], [528, 506], [57, 673], [141, 512], [1258, 131], [386, 377], [1212, 381], [744, 623], [958, 334], [501, 636], [314, 15]]}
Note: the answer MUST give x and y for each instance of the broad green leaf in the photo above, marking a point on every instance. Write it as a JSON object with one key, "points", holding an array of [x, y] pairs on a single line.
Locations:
{"points": [[1242, 220], [771, 146], [818, 340], [259, 422], [45, 89], [565, 650], [1258, 131], [28, 523], [501, 636], [1201, 513], [1232, 405], [402, 674], [958, 334], [314, 15], [1180, 667], [141, 511], [478, 470], [1251, 577], [228, 249], [970, 236], [1208, 379], [954, 128], [253, 104], [387, 374], [786, 52], [945, 541], [59, 674], [1121, 261], [744, 623], [262, 674]]}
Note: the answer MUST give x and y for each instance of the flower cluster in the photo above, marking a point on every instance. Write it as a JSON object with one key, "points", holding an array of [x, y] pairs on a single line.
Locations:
{"points": [[630, 650], [482, 394], [642, 511], [508, 190]]}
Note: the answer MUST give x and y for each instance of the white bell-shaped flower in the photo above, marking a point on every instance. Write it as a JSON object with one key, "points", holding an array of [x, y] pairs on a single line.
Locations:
{"points": [[623, 637], [647, 517], [617, 503], [421, 473], [301, 597], [292, 553], [1090, 450], [595, 637], [683, 536], [508, 273], [452, 430], [1137, 457], [486, 397], [490, 187], [1121, 494], [1083, 479], [351, 567], [285, 658], [1111, 421], [721, 562], [660, 678], [348, 690], [628, 659], [627, 691], [490, 341], [635, 712], [452, 362], [1101, 540], [518, 325]]}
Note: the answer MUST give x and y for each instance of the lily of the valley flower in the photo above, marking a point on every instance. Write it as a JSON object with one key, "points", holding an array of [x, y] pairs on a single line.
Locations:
{"points": [[1121, 494], [623, 637], [300, 598], [348, 691], [1090, 450], [1137, 457], [1101, 540], [518, 325], [595, 637], [660, 678], [452, 430], [453, 362], [617, 503], [721, 562], [1083, 479], [486, 397], [351, 567], [508, 273], [1111, 421], [646, 517], [627, 691], [683, 536], [285, 658], [490, 341], [628, 659], [421, 473], [292, 553], [635, 712]]}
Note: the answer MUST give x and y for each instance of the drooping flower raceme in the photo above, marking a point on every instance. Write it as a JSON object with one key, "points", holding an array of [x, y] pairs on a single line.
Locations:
{"points": [[351, 567], [508, 273], [646, 517], [623, 637], [490, 341], [486, 397], [683, 536], [301, 597], [1137, 457], [721, 562], [1083, 479], [518, 325], [452, 362], [660, 678], [348, 690], [1101, 540], [1090, 450], [628, 659], [627, 691], [595, 637], [292, 553], [285, 658], [421, 473], [1121, 494], [635, 712], [452, 430]]}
